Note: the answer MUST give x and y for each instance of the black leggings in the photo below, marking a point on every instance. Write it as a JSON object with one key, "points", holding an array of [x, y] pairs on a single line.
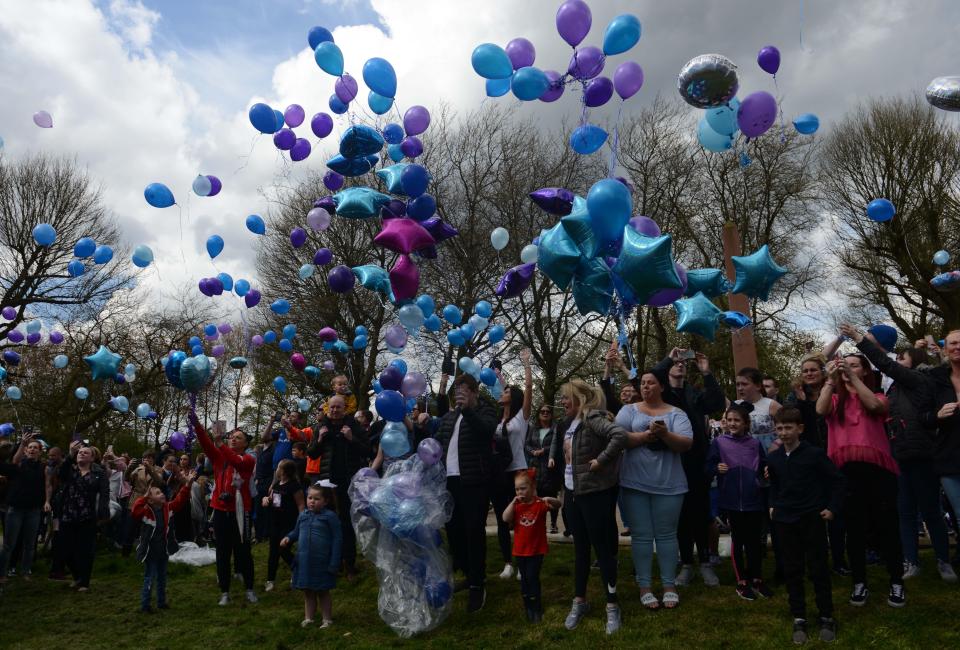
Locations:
{"points": [[502, 494], [589, 517], [694, 521], [79, 541], [277, 532], [871, 500], [230, 543], [529, 567], [745, 539]]}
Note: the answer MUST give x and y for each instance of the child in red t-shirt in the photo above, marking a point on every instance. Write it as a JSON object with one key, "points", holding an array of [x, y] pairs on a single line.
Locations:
{"points": [[528, 514]]}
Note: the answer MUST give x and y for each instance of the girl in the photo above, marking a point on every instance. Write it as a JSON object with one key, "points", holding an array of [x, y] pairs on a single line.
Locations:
{"points": [[285, 503], [737, 459], [319, 538], [529, 538]]}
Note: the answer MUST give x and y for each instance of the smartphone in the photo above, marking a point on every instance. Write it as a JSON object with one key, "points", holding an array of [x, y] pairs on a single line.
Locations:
{"points": [[447, 366], [688, 354]]}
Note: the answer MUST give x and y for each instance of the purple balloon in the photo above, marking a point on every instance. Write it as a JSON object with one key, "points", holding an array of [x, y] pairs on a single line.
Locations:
{"points": [[396, 337], [768, 59], [393, 210], [327, 204], [521, 53], [300, 150], [224, 328], [215, 185], [555, 89], [11, 357], [327, 335], [430, 451], [322, 257], [392, 378], [321, 124], [294, 115], [404, 278], [516, 280], [645, 226], [119, 378], [416, 120], [666, 297], [217, 350], [346, 88], [439, 229], [256, 340], [555, 200], [757, 113], [332, 181], [627, 79], [15, 336], [586, 63], [298, 237], [341, 279], [598, 92], [284, 139], [411, 146], [9, 313], [178, 441], [203, 285], [56, 338], [33, 338], [573, 21], [216, 286], [252, 299]]}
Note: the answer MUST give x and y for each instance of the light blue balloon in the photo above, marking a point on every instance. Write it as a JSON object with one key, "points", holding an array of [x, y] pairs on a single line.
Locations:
{"points": [[44, 234], [280, 384], [120, 403], [194, 372], [491, 61], [158, 195], [359, 202], [697, 315], [378, 103], [304, 405], [529, 83], [711, 140], [496, 390], [391, 177], [84, 247], [201, 186], [609, 205], [255, 224], [227, 280], [395, 152], [756, 273], [14, 393], [394, 441], [214, 245], [142, 256], [807, 124], [103, 254], [411, 317], [587, 138], [329, 57], [496, 334], [143, 410], [341, 347], [723, 119], [498, 87], [622, 33], [280, 306], [81, 393], [941, 257], [380, 77], [306, 271], [61, 361], [241, 287], [34, 326], [76, 268], [477, 322]]}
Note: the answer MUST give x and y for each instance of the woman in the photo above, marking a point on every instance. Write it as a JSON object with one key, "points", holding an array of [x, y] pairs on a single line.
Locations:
{"points": [[86, 501], [540, 434], [857, 444], [25, 498], [946, 381], [591, 449], [806, 389], [652, 484]]}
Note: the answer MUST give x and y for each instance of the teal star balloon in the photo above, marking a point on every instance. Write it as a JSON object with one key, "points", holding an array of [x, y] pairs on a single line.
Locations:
{"points": [[756, 273], [558, 256], [577, 224], [391, 177], [593, 286], [103, 364], [646, 264], [359, 202], [698, 316], [712, 282], [374, 278]]}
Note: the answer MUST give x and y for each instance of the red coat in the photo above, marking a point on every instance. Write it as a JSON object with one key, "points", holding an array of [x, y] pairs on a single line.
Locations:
{"points": [[226, 462]]}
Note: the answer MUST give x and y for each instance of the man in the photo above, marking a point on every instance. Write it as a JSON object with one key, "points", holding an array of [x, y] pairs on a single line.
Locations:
{"points": [[697, 404], [343, 449], [771, 389], [466, 434], [263, 477], [628, 392]]}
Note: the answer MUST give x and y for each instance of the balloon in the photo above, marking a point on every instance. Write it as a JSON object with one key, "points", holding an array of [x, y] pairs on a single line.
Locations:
{"points": [[44, 234], [255, 224], [645, 265], [645, 226], [332, 181], [214, 245], [426, 305], [665, 297], [43, 119], [807, 124], [10, 356], [392, 177], [33, 338], [697, 315], [300, 150], [143, 410], [555, 200], [380, 77], [529, 83], [306, 271], [478, 323], [586, 63], [102, 254], [394, 443], [293, 115], [404, 278], [469, 366], [881, 210], [491, 61], [84, 247], [708, 80], [280, 306], [327, 335], [318, 218], [941, 257], [414, 384], [318, 35], [768, 58], [103, 364], [430, 451], [158, 195], [488, 376], [280, 384], [403, 236], [455, 337], [709, 282], [215, 185], [411, 317], [711, 140], [621, 34], [201, 185], [238, 363], [336, 105], [178, 441], [298, 361], [341, 279], [609, 205], [359, 141], [554, 88], [573, 21], [499, 238], [321, 124], [411, 146], [263, 118], [61, 361], [587, 138], [142, 256], [414, 179], [7, 429], [756, 273], [359, 342], [390, 406], [496, 333], [322, 257], [396, 336], [735, 320], [558, 256], [56, 338], [393, 133], [379, 104], [373, 277], [172, 368], [298, 236], [598, 92], [269, 336], [593, 286], [438, 229], [120, 403], [194, 373], [289, 331], [329, 57], [359, 202], [15, 336], [452, 314], [423, 207], [757, 113], [944, 93], [241, 287], [346, 88], [723, 119], [416, 119]]}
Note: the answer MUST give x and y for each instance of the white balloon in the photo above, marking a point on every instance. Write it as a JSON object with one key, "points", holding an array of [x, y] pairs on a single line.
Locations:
{"points": [[529, 254], [202, 186], [499, 238]]}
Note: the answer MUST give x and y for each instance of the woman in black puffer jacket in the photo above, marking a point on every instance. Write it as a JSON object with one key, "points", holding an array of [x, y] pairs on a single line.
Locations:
{"points": [[541, 431]]}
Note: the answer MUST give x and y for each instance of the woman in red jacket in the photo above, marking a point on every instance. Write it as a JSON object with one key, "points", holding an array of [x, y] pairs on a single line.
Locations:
{"points": [[231, 504]]}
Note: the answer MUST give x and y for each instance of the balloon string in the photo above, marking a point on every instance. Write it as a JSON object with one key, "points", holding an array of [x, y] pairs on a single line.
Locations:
{"points": [[801, 26], [83, 404], [246, 158], [783, 133], [16, 415], [180, 219], [615, 145]]}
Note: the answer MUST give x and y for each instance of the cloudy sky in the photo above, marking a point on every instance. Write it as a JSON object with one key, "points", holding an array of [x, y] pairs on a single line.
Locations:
{"points": [[158, 90]]}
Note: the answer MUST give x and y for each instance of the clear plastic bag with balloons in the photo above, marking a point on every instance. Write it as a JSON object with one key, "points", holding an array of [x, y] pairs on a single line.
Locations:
{"points": [[397, 519]]}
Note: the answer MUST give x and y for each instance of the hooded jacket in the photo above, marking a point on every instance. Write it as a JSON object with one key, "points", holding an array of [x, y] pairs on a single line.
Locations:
{"points": [[152, 529], [596, 438], [739, 488]]}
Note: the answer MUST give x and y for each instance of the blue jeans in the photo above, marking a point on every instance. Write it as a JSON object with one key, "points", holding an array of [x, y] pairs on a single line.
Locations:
{"points": [[154, 570], [919, 491], [19, 525], [951, 487], [653, 519]]}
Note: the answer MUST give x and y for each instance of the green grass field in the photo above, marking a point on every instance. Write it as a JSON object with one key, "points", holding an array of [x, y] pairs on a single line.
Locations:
{"points": [[44, 614]]}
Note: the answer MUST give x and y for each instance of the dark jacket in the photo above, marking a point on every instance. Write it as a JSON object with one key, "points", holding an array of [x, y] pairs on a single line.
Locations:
{"points": [[597, 438], [909, 397], [475, 443], [339, 458], [814, 425], [85, 498], [739, 489], [946, 455], [27, 489], [548, 480], [608, 387], [158, 536], [264, 469], [805, 481]]}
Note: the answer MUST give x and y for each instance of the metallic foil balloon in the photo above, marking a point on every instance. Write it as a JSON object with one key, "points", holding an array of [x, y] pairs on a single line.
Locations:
{"points": [[555, 200], [580, 228], [238, 363], [394, 209], [404, 278], [194, 373], [665, 297], [948, 281], [698, 316], [359, 141], [373, 278], [593, 286], [587, 139], [391, 177], [359, 202], [352, 166], [559, 256], [708, 80], [439, 229], [944, 93], [103, 364], [646, 264], [735, 320], [403, 236], [514, 282], [709, 282], [756, 273]]}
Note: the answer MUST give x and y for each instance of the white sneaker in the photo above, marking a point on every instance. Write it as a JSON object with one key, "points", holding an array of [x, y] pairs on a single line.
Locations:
{"points": [[946, 571], [224, 599], [685, 575], [910, 570], [251, 597], [709, 575], [507, 572], [268, 586], [326, 623], [305, 622]]}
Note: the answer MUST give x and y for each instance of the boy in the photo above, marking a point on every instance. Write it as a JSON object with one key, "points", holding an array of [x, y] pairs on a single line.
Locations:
{"points": [[300, 458], [341, 386], [157, 538], [806, 491]]}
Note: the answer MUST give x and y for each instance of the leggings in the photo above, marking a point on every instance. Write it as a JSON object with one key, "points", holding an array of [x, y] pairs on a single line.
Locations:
{"points": [[589, 517], [79, 545], [501, 496], [230, 543], [653, 518], [871, 500], [529, 567], [277, 533], [694, 521], [745, 539]]}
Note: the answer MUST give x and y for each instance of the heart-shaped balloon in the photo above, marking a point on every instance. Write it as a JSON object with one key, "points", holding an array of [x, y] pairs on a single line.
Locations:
{"points": [[194, 373]]}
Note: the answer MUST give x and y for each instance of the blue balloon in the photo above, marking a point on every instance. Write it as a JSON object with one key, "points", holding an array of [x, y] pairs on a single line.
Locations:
{"points": [[278, 116], [452, 314], [723, 119], [280, 384], [711, 140], [400, 364], [359, 141], [393, 133], [587, 138], [391, 177], [255, 224], [76, 268], [329, 57], [318, 35], [194, 340], [226, 280], [359, 342], [214, 245], [426, 305], [241, 287], [336, 105], [711, 282], [390, 406], [120, 403], [941, 257], [44, 234], [488, 376], [285, 345], [468, 331], [529, 83], [432, 323], [196, 350], [81, 393], [593, 286], [359, 202], [881, 210], [622, 33], [311, 371], [491, 61], [807, 124], [142, 256], [7, 428], [394, 443], [558, 255], [352, 166], [360, 330], [210, 329], [423, 207], [483, 309], [496, 333], [159, 195], [414, 179], [756, 273], [280, 306], [84, 247], [735, 320], [609, 204], [395, 152], [103, 254], [380, 77], [698, 316], [263, 120], [61, 361], [498, 87], [455, 337], [269, 336], [172, 368], [289, 331], [646, 264], [378, 103]]}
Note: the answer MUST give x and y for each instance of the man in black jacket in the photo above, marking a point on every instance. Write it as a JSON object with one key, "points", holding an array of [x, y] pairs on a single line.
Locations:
{"points": [[263, 479], [466, 434]]}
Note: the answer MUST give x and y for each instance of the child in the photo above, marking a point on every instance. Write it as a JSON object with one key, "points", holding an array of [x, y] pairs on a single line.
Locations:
{"points": [[341, 386], [528, 514], [806, 491], [737, 459], [285, 503], [157, 538], [300, 459], [319, 539]]}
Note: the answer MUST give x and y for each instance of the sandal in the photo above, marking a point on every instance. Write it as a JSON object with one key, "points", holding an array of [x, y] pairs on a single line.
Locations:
{"points": [[671, 599], [649, 601]]}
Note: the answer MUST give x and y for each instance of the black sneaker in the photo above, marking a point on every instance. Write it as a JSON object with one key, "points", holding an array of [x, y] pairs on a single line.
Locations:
{"points": [[859, 596], [762, 589], [828, 630], [799, 631], [531, 616], [745, 592], [898, 596], [478, 596], [842, 571]]}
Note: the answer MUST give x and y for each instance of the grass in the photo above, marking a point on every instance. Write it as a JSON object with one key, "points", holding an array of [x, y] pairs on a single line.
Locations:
{"points": [[44, 614]]}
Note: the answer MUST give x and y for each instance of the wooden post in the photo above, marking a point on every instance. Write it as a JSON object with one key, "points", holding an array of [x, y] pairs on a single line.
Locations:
{"points": [[744, 347]]}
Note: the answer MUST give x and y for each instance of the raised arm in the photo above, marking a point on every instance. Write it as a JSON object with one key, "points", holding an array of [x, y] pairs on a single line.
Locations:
{"points": [[210, 449], [872, 403], [907, 377], [825, 399], [711, 398], [527, 383]]}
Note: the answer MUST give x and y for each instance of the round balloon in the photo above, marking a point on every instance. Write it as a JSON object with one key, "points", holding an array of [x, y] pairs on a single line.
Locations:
{"points": [[708, 80]]}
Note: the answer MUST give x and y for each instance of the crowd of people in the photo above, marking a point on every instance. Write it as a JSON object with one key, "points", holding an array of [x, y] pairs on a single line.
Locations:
{"points": [[847, 466]]}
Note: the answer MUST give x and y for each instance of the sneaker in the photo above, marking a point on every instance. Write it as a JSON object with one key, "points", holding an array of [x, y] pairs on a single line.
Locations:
{"points": [[946, 571], [828, 630], [799, 631], [252, 597], [507, 572], [518, 576], [306, 622], [478, 596], [745, 592], [762, 589], [577, 611], [898, 595], [224, 599], [268, 586], [567, 532], [553, 530], [714, 560], [326, 623], [685, 576], [613, 619], [910, 570], [709, 575], [842, 571], [859, 596]]}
